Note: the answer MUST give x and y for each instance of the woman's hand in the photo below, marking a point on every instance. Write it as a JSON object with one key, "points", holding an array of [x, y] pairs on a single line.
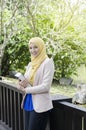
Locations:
{"points": [[19, 87], [23, 90], [24, 83]]}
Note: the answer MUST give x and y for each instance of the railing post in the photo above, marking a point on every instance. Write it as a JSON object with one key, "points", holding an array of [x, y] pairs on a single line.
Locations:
{"points": [[0, 102], [21, 113], [2, 111], [76, 121]]}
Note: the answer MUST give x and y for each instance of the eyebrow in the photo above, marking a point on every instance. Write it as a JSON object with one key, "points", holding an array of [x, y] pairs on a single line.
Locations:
{"points": [[34, 46]]}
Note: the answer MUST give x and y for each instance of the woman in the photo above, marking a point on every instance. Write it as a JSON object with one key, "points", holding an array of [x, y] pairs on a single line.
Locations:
{"points": [[36, 86]]}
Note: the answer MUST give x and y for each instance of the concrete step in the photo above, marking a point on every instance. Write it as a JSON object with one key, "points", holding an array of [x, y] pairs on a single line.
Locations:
{"points": [[3, 126]]}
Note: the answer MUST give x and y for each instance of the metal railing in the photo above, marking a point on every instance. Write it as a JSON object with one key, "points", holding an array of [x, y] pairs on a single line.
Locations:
{"points": [[64, 115], [10, 106], [67, 116]]}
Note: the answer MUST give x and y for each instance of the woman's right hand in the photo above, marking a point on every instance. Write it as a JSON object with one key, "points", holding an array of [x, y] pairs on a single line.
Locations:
{"points": [[24, 83]]}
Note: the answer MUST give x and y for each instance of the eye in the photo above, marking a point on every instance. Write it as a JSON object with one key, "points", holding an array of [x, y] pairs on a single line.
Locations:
{"points": [[35, 47], [30, 47]]}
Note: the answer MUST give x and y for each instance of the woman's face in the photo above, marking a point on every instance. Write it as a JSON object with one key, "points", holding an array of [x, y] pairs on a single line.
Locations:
{"points": [[34, 50]]}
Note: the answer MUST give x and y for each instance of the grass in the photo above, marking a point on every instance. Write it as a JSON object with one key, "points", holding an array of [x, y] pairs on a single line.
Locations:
{"points": [[63, 90], [10, 80]]}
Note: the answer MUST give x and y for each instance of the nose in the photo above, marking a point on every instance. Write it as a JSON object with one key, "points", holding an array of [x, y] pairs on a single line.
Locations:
{"points": [[32, 50]]}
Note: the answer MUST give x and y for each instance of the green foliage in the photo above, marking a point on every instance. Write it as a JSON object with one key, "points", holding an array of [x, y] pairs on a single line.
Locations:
{"points": [[67, 59], [16, 55]]}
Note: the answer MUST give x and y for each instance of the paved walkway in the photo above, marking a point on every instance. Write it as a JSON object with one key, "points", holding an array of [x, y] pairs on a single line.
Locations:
{"points": [[4, 127]]}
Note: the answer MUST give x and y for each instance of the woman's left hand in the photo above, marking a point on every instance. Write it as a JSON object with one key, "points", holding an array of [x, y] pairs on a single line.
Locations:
{"points": [[23, 90]]}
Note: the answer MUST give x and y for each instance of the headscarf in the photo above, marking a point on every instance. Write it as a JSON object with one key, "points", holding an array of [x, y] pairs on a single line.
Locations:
{"points": [[36, 61]]}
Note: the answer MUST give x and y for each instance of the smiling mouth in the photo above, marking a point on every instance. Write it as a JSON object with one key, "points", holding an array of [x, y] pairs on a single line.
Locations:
{"points": [[34, 53]]}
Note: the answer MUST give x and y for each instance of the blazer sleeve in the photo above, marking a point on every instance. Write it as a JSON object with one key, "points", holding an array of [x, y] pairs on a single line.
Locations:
{"points": [[46, 82]]}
